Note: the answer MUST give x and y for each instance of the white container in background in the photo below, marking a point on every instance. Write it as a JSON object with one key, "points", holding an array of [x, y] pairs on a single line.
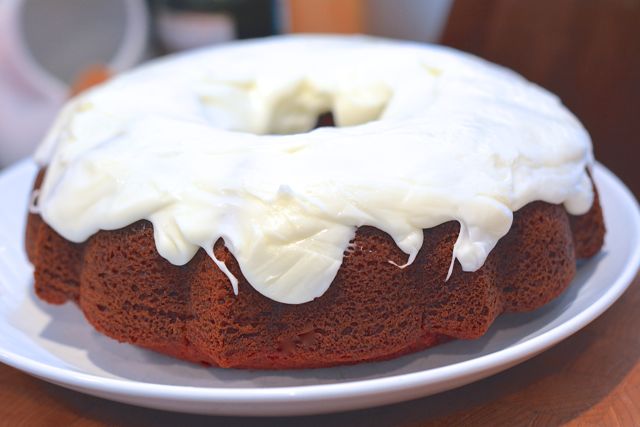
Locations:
{"points": [[180, 30], [44, 44], [419, 20]]}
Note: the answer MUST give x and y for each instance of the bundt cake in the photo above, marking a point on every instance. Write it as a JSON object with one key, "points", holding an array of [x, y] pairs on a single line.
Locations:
{"points": [[186, 207]]}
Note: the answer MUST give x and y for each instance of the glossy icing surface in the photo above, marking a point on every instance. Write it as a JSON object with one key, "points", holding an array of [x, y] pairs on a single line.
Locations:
{"points": [[216, 144]]}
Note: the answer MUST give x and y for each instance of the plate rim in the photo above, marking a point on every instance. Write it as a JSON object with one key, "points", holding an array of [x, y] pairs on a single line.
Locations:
{"points": [[407, 383]]}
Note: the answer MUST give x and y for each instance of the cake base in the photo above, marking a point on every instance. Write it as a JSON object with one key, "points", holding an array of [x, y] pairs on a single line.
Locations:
{"points": [[372, 311]]}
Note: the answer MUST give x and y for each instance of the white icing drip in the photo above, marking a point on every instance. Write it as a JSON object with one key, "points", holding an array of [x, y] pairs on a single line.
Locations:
{"points": [[223, 267], [33, 202], [175, 142]]}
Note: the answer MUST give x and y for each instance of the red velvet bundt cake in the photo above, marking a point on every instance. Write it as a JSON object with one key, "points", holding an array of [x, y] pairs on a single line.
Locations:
{"points": [[185, 207]]}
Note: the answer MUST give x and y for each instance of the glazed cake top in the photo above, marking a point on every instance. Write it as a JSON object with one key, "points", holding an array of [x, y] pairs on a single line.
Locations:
{"points": [[216, 143]]}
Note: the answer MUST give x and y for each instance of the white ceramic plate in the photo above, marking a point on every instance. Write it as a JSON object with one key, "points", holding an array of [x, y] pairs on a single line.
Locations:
{"points": [[56, 344]]}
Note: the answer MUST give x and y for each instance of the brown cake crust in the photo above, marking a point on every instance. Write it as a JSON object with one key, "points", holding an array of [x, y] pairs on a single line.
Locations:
{"points": [[372, 311]]}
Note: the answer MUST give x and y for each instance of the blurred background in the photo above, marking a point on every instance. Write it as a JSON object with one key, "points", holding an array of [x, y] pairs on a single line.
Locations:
{"points": [[586, 51]]}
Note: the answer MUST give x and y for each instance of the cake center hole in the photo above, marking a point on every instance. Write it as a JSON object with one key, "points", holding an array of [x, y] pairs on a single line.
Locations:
{"points": [[325, 120]]}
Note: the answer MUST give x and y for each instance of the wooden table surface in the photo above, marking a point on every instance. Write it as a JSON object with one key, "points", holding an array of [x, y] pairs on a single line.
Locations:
{"points": [[592, 378]]}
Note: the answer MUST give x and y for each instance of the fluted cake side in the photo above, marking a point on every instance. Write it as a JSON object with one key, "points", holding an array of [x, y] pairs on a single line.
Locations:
{"points": [[372, 311]]}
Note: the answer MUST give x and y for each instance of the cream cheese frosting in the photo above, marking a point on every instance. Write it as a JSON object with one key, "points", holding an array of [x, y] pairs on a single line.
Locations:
{"points": [[217, 144]]}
